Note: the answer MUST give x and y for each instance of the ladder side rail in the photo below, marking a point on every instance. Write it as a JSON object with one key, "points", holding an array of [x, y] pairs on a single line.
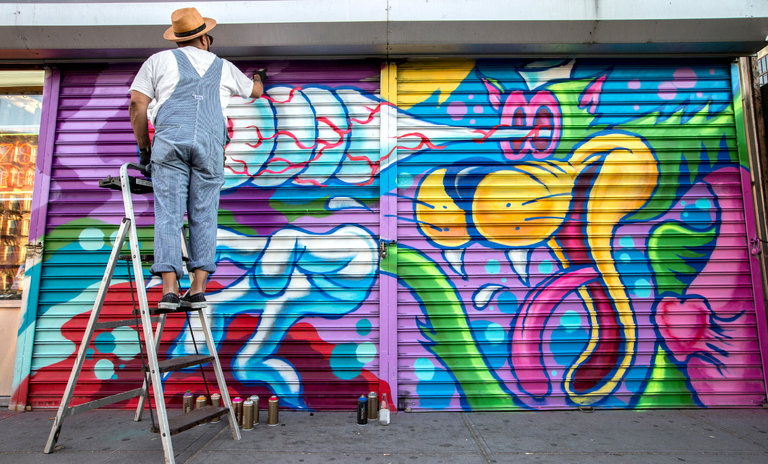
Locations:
{"points": [[88, 336], [157, 386], [219, 374], [145, 386]]}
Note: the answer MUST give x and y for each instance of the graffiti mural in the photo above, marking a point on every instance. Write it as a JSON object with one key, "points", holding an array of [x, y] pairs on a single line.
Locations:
{"points": [[569, 234]]}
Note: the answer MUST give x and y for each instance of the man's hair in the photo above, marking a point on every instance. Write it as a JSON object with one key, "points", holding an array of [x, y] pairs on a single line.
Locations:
{"points": [[187, 43]]}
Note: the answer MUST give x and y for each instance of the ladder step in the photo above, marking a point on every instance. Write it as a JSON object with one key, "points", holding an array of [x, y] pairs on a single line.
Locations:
{"points": [[180, 309], [122, 323], [126, 395], [174, 364], [195, 417], [138, 184], [146, 258]]}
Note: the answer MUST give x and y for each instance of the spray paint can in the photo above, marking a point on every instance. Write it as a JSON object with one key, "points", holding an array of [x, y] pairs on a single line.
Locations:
{"points": [[272, 411], [255, 399], [237, 403], [188, 402], [384, 411], [216, 403], [247, 415], [362, 410], [373, 405]]}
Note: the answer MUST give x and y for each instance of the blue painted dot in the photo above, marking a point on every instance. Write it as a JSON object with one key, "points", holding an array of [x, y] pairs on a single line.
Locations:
{"points": [[703, 203], [437, 392], [570, 320], [517, 228], [627, 242], [545, 267], [89, 353], [424, 369], [509, 204], [554, 373], [507, 302], [445, 206], [114, 376], [126, 343], [105, 342], [642, 288], [104, 369], [624, 257], [683, 203], [364, 327], [366, 352], [344, 361], [503, 279], [495, 333], [493, 266], [122, 366]]}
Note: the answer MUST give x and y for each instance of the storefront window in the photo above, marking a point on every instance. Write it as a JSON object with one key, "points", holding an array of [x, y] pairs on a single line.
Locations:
{"points": [[20, 113]]}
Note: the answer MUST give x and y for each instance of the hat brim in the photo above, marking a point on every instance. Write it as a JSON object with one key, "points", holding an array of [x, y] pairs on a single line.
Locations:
{"points": [[210, 23]]}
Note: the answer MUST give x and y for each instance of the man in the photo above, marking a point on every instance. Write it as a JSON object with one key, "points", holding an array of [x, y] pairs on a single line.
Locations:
{"points": [[185, 91]]}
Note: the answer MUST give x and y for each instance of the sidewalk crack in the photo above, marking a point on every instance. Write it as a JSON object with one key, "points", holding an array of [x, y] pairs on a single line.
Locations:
{"points": [[480, 441]]}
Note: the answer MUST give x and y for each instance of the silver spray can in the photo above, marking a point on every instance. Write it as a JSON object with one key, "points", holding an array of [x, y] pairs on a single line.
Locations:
{"points": [[373, 405], [188, 402], [255, 399]]}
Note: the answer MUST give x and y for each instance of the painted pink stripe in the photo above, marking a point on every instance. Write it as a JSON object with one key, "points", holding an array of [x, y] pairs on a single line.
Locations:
{"points": [[527, 355]]}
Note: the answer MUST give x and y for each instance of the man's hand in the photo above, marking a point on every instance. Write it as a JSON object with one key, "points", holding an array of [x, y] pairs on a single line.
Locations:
{"points": [[145, 155], [259, 78]]}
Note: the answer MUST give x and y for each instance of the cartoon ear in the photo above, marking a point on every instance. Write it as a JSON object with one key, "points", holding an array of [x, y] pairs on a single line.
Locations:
{"points": [[494, 93]]}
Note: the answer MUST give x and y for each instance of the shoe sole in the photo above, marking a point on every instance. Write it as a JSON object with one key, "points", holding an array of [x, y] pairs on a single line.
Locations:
{"points": [[167, 306]]}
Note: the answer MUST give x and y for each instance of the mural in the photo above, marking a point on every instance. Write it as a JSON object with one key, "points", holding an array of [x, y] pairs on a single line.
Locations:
{"points": [[569, 234]]}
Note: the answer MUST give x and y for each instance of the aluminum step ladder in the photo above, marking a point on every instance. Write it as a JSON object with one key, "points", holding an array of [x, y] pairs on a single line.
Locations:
{"points": [[130, 185]]}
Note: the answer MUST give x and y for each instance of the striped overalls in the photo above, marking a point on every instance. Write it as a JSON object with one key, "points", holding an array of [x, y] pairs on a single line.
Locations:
{"points": [[188, 168]]}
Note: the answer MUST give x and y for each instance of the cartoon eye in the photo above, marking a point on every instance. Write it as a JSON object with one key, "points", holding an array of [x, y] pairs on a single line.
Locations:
{"points": [[438, 216]]}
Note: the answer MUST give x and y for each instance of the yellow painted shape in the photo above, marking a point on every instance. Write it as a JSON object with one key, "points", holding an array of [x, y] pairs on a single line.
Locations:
{"points": [[418, 81], [437, 214], [628, 164], [523, 205]]}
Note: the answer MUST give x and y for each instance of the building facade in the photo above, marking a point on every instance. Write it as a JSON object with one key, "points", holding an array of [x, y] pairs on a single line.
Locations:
{"points": [[492, 225]]}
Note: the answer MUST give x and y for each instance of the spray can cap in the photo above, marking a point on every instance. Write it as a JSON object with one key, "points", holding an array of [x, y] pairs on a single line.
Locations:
{"points": [[237, 400], [273, 398], [188, 393]]}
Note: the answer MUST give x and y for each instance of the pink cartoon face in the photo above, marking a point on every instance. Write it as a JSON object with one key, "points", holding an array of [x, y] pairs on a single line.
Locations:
{"points": [[536, 111]]}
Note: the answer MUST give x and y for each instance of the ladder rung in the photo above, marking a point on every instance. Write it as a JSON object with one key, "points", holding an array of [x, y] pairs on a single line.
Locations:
{"points": [[122, 323], [126, 395], [195, 417], [180, 309], [146, 258], [174, 364]]}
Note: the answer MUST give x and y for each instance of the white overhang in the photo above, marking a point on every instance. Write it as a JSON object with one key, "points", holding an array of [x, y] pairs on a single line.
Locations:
{"points": [[111, 30]]}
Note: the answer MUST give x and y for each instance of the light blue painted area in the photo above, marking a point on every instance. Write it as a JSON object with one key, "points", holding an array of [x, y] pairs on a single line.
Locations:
{"points": [[642, 288], [404, 180], [553, 373], [493, 266], [570, 320], [366, 352], [104, 369], [508, 303], [345, 362], [624, 256], [545, 267], [495, 333], [437, 392], [424, 369], [363, 327], [627, 242], [703, 204], [91, 239], [89, 353], [126, 343]]}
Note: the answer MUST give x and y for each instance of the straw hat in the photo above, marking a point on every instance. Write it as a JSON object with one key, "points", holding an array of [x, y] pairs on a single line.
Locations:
{"points": [[188, 24]]}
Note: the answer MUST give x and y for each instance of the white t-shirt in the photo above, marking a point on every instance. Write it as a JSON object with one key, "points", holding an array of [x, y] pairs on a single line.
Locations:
{"points": [[159, 75]]}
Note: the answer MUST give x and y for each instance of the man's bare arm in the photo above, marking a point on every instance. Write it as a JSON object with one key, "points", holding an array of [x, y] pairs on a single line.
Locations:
{"points": [[138, 112], [258, 87]]}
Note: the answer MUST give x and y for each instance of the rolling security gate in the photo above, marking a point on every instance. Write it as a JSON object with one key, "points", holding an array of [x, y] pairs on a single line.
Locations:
{"points": [[294, 301], [537, 235], [573, 234]]}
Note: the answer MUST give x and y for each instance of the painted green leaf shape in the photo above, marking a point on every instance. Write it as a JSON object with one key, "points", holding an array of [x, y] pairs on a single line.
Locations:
{"points": [[448, 332], [676, 253]]}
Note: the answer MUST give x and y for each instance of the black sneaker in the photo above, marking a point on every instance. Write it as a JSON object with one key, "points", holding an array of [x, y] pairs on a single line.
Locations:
{"points": [[169, 302], [196, 301]]}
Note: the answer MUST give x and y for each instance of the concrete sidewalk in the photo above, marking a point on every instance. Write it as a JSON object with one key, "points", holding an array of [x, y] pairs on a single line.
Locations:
{"points": [[701, 436]]}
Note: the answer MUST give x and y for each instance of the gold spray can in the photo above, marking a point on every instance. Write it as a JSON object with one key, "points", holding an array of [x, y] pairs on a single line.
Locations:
{"points": [[247, 415], [237, 403], [216, 403], [255, 399], [272, 411], [201, 402], [373, 405]]}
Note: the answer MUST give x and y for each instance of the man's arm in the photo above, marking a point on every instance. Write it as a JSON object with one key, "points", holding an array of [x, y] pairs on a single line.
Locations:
{"points": [[138, 112]]}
